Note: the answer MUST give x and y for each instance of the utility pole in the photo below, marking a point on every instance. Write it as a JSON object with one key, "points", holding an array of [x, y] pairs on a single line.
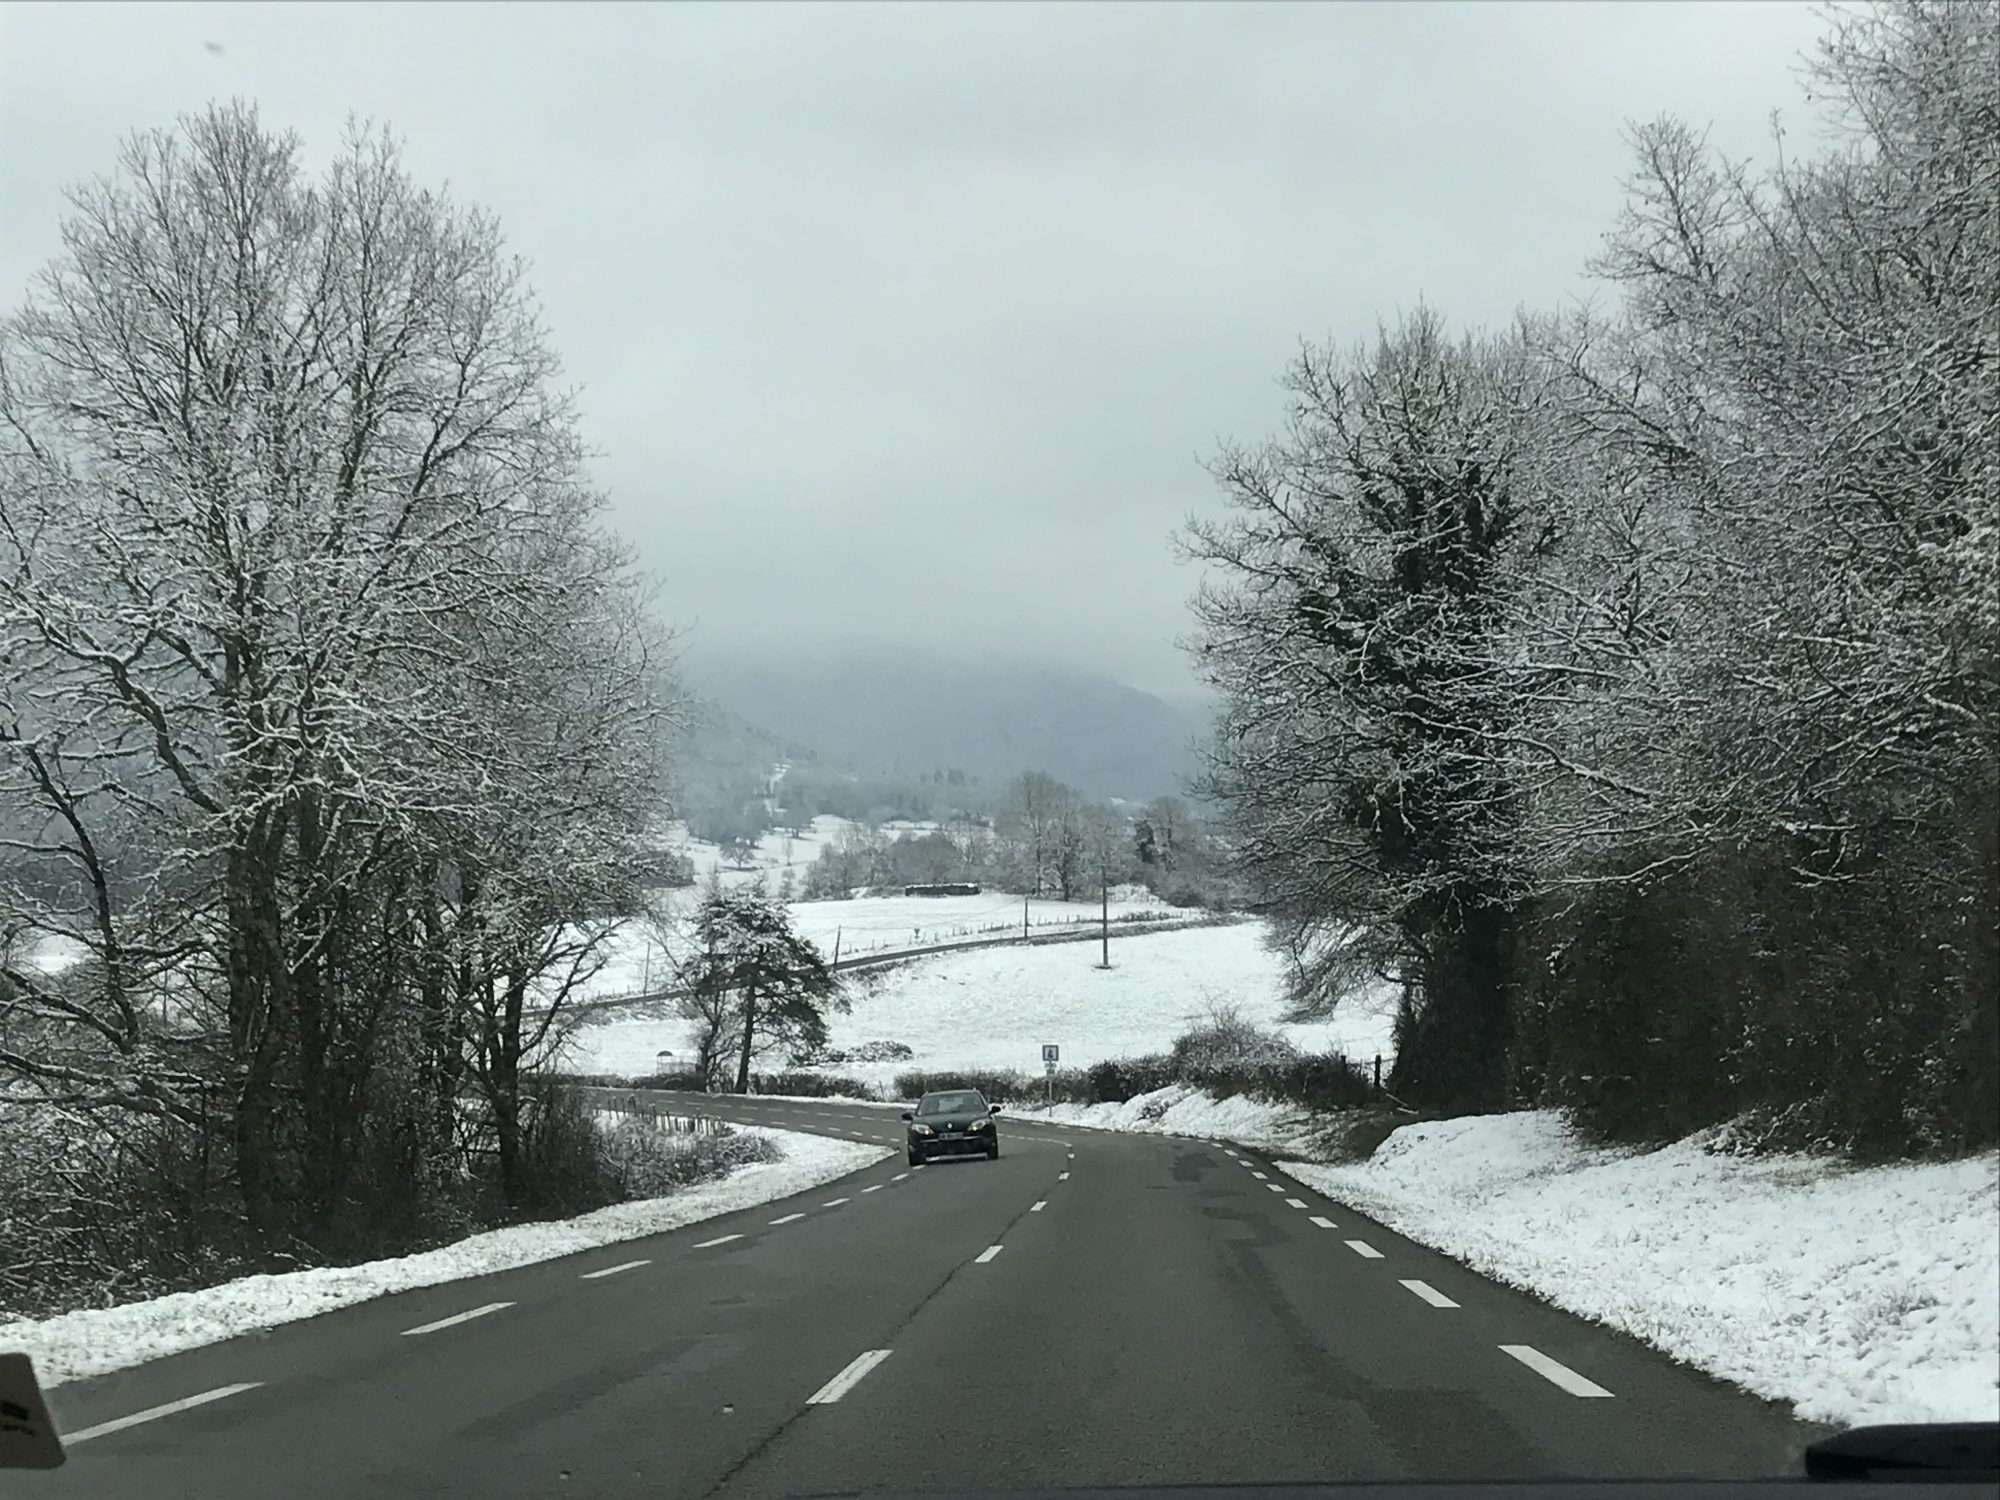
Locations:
{"points": [[836, 949], [1104, 885]]}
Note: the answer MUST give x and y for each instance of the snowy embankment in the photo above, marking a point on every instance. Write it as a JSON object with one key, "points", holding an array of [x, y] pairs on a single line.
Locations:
{"points": [[96, 1341], [995, 1007], [1859, 1294]]}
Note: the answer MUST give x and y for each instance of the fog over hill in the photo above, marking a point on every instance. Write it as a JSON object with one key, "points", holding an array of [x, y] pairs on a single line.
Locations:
{"points": [[900, 710]]}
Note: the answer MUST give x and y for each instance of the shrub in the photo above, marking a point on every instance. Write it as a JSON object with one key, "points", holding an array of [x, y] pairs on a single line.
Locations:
{"points": [[811, 1085], [646, 1158], [870, 1052], [1000, 1086]]}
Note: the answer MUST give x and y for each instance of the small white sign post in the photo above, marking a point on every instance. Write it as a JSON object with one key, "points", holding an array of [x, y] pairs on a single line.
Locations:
{"points": [[1050, 1054]]}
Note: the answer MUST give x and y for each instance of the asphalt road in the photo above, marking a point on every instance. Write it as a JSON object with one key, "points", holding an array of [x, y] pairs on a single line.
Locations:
{"points": [[1091, 1309]]}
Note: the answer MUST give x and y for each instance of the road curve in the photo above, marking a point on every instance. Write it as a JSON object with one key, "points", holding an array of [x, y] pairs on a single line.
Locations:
{"points": [[1091, 1309]]}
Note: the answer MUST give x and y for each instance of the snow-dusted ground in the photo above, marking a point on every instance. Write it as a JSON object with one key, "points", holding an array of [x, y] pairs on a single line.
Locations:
{"points": [[994, 1007], [1180, 1109], [1860, 1295], [97, 1340]]}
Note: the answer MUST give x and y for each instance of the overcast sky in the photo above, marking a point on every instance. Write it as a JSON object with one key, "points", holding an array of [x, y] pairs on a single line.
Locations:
{"points": [[920, 318]]}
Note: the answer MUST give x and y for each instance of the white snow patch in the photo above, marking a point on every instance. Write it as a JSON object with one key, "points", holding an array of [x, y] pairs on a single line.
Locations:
{"points": [[994, 1007], [1181, 1109], [1860, 1294], [74, 1346]]}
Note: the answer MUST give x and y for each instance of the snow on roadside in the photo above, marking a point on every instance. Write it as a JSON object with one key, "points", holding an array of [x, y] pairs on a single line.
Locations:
{"points": [[95, 1341], [1181, 1109], [1860, 1294]]}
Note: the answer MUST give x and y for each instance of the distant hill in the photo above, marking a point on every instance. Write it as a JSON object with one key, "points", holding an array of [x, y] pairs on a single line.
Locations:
{"points": [[718, 749], [897, 711]]}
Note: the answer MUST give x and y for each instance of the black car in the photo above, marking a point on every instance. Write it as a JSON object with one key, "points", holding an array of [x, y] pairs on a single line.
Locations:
{"points": [[952, 1122]]}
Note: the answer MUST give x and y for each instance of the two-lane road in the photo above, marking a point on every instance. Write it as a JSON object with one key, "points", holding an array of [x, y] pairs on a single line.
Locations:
{"points": [[1090, 1309]]}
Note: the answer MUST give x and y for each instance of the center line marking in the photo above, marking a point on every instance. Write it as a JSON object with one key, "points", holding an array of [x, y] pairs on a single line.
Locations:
{"points": [[1295, 1203], [1274, 1187], [899, 1176], [985, 1255], [1062, 1177], [154, 1413], [630, 1265], [875, 1188], [1430, 1294], [833, 1202], [1037, 1208], [464, 1317], [1259, 1176], [1365, 1250], [848, 1378], [788, 1218], [1323, 1223], [1553, 1371], [708, 1244]]}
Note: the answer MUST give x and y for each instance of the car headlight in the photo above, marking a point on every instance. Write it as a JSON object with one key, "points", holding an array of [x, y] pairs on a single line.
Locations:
{"points": [[921, 1130], [980, 1125]]}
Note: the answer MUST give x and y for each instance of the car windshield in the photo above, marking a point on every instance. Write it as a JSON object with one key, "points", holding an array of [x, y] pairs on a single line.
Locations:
{"points": [[952, 1104], [1384, 617]]}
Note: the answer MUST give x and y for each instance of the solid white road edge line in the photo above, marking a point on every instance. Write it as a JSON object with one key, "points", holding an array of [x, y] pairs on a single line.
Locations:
{"points": [[1323, 1223], [1365, 1250], [1430, 1294], [464, 1317], [709, 1244], [788, 1218], [985, 1255], [630, 1265], [153, 1413], [1552, 1371], [848, 1378]]}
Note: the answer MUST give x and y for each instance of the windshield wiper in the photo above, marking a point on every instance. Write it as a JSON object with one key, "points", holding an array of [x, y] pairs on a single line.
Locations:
{"points": [[1932, 1450]]}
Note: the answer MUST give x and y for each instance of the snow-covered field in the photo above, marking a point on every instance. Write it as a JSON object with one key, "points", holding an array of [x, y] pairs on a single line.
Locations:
{"points": [[995, 1007], [1860, 1295], [98, 1340]]}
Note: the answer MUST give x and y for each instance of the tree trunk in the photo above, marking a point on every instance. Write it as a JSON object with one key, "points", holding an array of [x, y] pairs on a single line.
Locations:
{"points": [[749, 1033]]}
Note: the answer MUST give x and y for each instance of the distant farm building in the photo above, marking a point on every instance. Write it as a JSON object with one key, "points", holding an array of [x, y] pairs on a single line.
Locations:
{"points": [[952, 888]]}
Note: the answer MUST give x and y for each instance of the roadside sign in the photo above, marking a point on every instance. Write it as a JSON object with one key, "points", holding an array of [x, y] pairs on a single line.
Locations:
{"points": [[27, 1437], [1051, 1053], [1050, 1069]]}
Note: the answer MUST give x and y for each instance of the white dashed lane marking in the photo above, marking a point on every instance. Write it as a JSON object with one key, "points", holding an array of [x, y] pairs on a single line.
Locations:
{"points": [[1062, 1177], [154, 1413], [848, 1378], [1365, 1250], [985, 1255], [1430, 1294], [1295, 1203], [630, 1265], [710, 1244], [1274, 1187], [1038, 1207], [1323, 1223], [834, 1202], [1553, 1371], [1259, 1176], [464, 1317], [875, 1188], [899, 1176], [788, 1218]]}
